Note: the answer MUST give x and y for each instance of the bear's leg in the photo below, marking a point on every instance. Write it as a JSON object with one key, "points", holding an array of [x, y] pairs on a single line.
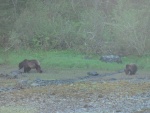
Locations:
{"points": [[27, 69]]}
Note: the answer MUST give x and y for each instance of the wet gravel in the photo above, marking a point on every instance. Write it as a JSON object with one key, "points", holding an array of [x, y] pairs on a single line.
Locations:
{"points": [[114, 102], [39, 82]]}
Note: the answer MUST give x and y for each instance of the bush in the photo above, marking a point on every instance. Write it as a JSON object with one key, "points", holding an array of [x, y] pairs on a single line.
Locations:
{"points": [[97, 27]]}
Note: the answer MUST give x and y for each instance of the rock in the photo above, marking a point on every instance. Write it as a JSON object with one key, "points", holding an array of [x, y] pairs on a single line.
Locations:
{"points": [[2, 74], [37, 80], [22, 84], [111, 58], [12, 76], [16, 72], [112, 79], [120, 71], [35, 84], [92, 73]]}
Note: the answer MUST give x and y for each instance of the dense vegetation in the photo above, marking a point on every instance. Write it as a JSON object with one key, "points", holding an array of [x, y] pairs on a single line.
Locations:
{"points": [[87, 26], [97, 26]]}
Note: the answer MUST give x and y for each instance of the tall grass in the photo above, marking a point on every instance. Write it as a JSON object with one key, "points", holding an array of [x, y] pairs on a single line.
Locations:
{"points": [[70, 59]]}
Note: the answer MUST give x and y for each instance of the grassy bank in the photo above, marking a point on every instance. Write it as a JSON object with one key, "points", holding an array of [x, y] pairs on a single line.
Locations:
{"points": [[70, 59]]}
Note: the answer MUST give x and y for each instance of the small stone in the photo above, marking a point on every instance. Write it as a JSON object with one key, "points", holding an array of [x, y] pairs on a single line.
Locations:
{"points": [[118, 110], [93, 73], [100, 96], [35, 84]]}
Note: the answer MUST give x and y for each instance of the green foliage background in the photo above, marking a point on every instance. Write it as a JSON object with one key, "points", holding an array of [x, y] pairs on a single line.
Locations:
{"points": [[97, 26], [87, 27]]}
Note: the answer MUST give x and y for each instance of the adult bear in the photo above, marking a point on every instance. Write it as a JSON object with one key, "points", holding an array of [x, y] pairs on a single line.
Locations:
{"points": [[130, 69], [30, 64]]}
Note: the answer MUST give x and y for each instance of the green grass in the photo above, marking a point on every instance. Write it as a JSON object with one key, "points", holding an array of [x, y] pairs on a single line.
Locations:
{"points": [[70, 59], [142, 62]]}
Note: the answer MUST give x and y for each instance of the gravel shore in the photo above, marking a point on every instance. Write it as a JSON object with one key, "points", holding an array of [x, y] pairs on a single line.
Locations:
{"points": [[92, 94]]}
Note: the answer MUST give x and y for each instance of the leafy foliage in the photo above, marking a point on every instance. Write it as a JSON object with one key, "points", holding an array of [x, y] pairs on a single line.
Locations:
{"points": [[98, 26]]}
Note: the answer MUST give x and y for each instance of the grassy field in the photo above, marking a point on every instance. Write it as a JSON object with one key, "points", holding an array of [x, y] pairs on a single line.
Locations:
{"points": [[70, 59], [65, 65]]}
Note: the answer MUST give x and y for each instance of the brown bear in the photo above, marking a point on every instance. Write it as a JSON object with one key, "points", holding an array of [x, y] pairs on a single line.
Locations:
{"points": [[130, 69], [30, 64]]}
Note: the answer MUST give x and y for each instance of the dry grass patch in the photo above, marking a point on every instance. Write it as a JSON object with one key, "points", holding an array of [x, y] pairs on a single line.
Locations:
{"points": [[84, 89], [7, 82]]}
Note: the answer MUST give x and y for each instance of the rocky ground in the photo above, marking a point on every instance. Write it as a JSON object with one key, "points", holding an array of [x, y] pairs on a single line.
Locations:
{"points": [[94, 93]]}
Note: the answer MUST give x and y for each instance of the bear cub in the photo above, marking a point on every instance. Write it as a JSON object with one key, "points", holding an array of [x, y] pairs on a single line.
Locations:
{"points": [[130, 69]]}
